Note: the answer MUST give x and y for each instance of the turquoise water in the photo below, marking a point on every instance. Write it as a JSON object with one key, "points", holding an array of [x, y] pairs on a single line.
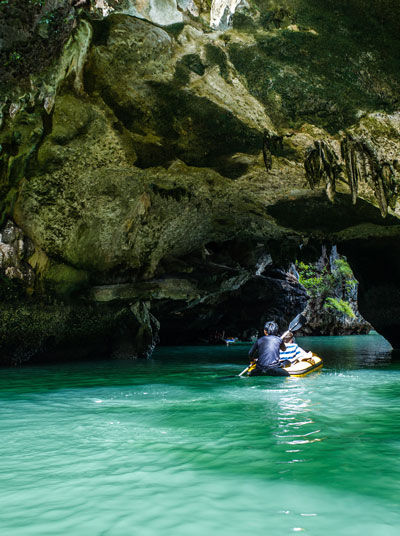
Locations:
{"points": [[166, 447]]}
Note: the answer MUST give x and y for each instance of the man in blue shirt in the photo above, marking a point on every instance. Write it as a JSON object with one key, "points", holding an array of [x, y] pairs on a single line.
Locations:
{"points": [[267, 348]]}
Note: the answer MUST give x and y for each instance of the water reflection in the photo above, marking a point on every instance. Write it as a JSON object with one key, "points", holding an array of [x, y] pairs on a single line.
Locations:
{"points": [[295, 425], [350, 351]]}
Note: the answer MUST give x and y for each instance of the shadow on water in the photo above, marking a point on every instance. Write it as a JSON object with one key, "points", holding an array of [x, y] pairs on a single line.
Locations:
{"points": [[189, 366]]}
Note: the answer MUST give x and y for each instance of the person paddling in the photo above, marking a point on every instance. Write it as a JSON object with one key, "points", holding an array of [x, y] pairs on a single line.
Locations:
{"points": [[267, 348]]}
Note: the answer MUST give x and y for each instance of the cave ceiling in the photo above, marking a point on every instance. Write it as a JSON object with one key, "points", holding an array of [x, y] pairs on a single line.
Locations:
{"points": [[173, 154]]}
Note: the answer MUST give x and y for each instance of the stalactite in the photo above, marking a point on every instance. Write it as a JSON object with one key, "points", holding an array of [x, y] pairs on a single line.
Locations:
{"points": [[349, 158], [362, 163], [322, 163], [272, 143]]}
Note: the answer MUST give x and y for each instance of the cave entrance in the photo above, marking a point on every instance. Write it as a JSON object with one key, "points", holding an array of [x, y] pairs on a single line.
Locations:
{"points": [[242, 284]]}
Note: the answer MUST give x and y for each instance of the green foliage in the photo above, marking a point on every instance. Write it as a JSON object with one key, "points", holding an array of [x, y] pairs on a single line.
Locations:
{"points": [[13, 57], [343, 267], [316, 282], [343, 274], [48, 18], [325, 285], [340, 306]]}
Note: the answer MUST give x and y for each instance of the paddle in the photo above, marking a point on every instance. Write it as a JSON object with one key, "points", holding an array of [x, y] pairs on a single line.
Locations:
{"points": [[294, 325]]}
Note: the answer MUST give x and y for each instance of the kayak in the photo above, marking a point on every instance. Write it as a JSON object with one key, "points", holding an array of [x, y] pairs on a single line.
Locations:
{"points": [[301, 368], [229, 342]]}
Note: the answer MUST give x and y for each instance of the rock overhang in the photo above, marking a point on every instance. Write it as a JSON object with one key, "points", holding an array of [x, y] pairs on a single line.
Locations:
{"points": [[157, 152]]}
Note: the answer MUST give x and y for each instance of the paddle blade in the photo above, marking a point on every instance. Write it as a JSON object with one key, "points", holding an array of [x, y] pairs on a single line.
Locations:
{"points": [[297, 322]]}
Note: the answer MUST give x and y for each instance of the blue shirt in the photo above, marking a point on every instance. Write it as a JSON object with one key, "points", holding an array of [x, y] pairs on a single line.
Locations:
{"points": [[267, 349]]}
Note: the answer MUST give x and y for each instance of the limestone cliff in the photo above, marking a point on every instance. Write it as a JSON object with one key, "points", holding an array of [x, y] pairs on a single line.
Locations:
{"points": [[170, 159], [332, 308]]}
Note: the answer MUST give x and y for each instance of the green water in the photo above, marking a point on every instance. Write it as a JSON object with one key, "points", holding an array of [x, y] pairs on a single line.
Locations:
{"points": [[165, 447]]}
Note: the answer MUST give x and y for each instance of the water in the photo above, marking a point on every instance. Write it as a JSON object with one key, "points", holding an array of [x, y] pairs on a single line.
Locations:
{"points": [[165, 447]]}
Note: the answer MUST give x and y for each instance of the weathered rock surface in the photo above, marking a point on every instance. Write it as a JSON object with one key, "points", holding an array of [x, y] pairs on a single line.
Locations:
{"points": [[163, 169], [332, 307]]}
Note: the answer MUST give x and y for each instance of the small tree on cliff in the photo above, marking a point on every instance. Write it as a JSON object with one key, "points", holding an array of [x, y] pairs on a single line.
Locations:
{"points": [[331, 287]]}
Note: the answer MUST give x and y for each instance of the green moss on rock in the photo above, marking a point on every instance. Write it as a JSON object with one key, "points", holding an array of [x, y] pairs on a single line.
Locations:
{"points": [[325, 66]]}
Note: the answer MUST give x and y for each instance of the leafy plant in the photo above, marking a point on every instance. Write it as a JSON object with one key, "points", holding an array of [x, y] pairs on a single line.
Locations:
{"points": [[329, 286], [15, 56], [317, 283], [343, 274], [340, 306]]}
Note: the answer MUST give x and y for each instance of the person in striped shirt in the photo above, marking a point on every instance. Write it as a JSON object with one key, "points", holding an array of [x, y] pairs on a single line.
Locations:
{"points": [[293, 351]]}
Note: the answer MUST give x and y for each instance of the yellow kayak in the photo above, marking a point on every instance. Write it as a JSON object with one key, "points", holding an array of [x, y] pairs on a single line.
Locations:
{"points": [[301, 368]]}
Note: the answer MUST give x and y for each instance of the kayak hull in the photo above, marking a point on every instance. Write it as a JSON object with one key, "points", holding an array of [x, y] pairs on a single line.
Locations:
{"points": [[301, 368]]}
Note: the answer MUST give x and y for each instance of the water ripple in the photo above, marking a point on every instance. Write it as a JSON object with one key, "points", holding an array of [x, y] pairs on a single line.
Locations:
{"points": [[162, 448]]}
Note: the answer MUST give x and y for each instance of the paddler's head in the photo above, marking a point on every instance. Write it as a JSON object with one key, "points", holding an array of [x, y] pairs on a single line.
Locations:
{"points": [[271, 328], [288, 338]]}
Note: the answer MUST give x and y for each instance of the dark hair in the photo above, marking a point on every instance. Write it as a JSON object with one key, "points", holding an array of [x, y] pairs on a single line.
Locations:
{"points": [[271, 327], [288, 337]]}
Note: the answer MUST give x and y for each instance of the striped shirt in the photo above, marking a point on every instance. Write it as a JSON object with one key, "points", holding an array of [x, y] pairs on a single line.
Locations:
{"points": [[292, 351]]}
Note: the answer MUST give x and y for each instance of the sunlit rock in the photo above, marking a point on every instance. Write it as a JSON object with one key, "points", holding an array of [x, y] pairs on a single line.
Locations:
{"points": [[163, 12], [221, 13]]}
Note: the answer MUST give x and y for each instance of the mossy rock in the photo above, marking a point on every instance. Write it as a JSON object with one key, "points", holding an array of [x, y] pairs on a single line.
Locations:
{"points": [[300, 72]]}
